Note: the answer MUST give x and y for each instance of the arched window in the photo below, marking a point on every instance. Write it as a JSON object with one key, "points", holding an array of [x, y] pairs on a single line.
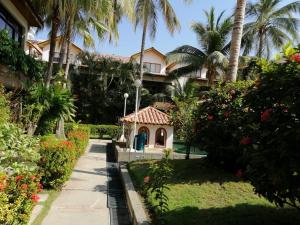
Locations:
{"points": [[161, 137], [145, 129]]}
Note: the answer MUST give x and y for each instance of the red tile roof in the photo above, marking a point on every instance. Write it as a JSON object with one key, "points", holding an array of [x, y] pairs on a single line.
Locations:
{"points": [[148, 115]]}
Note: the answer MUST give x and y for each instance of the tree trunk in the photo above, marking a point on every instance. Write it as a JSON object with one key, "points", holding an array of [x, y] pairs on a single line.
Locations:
{"points": [[261, 43], [236, 40], [62, 52], [54, 30], [188, 151], [142, 59]]}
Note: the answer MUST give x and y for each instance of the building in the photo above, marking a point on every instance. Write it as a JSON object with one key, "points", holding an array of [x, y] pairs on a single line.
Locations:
{"points": [[33, 47], [155, 123], [17, 16]]}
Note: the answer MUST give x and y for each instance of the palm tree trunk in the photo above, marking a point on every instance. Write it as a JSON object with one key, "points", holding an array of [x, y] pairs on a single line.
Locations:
{"points": [[236, 40], [260, 44], [62, 52], [142, 58], [54, 30]]}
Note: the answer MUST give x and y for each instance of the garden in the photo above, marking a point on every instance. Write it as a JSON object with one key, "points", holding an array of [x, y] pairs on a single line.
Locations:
{"points": [[250, 132]]}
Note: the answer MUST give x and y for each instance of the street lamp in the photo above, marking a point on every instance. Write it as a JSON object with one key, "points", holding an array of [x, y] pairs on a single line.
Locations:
{"points": [[137, 84], [123, 139]]}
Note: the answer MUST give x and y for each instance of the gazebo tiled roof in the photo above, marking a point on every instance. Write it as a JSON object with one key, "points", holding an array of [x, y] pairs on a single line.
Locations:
{"points": [[148, 115]]}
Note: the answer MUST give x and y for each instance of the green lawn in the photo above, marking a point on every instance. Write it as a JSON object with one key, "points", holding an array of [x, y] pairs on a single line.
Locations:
{"points": [[201, 194]]}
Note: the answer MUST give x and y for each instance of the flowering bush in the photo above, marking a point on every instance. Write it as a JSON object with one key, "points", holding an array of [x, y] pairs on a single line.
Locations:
{"points": [[57, 160], [80, 137], [219, 127], [18, 194], [273, 126]]}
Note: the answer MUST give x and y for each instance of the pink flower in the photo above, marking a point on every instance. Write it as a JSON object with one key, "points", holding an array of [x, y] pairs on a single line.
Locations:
{"points": [[286, 110], [210, 117], [239, 173], [296, 57], [245, 141], [146, 179], [265, 115], [35, 197]]}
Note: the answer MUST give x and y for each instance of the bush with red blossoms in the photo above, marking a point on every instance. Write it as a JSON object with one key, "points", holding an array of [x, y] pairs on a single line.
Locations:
{"points": [[218, 125], [273, 123]]}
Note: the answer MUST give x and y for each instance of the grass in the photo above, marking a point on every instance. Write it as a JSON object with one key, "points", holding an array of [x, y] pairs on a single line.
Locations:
{"points": [[47, 204], [201, 194]]}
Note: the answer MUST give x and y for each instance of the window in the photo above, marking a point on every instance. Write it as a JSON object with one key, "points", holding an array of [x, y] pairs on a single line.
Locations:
{"points": [[161, 137], [11, 25], [152, 67]]}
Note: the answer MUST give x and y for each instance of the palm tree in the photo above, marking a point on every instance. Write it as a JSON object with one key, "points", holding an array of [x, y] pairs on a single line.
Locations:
{"points": [[146, 13], [270, 25], [214, 46], [236, 40]]}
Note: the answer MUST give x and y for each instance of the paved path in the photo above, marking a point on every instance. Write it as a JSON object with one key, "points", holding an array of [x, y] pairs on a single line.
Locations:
{"points": [[83, 201]]}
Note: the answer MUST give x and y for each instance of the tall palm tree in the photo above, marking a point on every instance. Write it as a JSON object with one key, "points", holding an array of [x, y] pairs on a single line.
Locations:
{"points": [[146, 14], [213, 37], [236, 40], [270, 25]]}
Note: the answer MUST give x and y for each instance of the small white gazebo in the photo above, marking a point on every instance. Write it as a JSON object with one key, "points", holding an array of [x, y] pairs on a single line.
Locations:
{"points": [[155, 123]]}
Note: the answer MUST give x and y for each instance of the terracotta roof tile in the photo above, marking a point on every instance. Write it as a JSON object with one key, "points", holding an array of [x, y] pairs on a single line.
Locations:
{"points": [[148, 115]]}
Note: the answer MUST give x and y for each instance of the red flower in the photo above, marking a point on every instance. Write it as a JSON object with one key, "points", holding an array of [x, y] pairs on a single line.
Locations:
{"points": [[296, 57], [18, 178], [146, 179], [210, 117], [239, 173], [265, 115], [245, 141], [2, 187], [24, 186], [226, 114], [33, 177], [35, 197]]}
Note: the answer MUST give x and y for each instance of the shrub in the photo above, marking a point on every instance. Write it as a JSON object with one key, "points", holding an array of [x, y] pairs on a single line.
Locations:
{"points": [[14, 56], [4, 112], [98, 131], [273, 129], [80, 137], [219, 124]]}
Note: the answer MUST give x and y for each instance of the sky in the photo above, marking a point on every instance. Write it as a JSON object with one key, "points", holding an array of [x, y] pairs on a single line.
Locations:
{"points": [[130, 40]]}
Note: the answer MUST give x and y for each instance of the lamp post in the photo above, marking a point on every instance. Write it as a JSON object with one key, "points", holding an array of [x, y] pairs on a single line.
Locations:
{"points": [[137, 84], [123, 139]]}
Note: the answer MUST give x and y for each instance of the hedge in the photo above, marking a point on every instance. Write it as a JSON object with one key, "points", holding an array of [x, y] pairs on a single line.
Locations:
{"points": [[98, 131], [58, 157]]}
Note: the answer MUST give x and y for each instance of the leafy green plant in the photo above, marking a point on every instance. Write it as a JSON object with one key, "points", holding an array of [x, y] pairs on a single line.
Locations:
{"points": [[219, 124], [273, 129], [13, 55], [156, 184], [4, 112]]}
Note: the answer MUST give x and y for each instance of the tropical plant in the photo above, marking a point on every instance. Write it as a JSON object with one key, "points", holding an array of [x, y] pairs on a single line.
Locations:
{"points": [[184, 89], [183, 118], [214, 47], [236, 40], [271, 24], [272, 126]]}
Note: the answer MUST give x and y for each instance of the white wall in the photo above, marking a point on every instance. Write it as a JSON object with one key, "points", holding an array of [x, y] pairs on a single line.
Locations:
{"points": [[152, 130], [151, 57], [9, 6]]}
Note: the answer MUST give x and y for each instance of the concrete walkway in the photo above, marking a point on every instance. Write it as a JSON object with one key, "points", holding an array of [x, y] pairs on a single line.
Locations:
{"points": [[83, 200]]}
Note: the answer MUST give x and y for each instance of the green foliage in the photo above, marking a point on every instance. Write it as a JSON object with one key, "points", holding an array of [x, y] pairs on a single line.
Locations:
{"points": [[99, 89], [43, 107], [183, 119], [219, 126], [18, 194], [19, 152], [58, 157], [273, 125], [156, 184], [13, 55], [98, 131], [4, 108]]}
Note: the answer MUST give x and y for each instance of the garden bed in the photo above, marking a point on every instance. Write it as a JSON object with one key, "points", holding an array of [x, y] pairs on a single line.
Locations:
{"points": [[202, 194]]}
